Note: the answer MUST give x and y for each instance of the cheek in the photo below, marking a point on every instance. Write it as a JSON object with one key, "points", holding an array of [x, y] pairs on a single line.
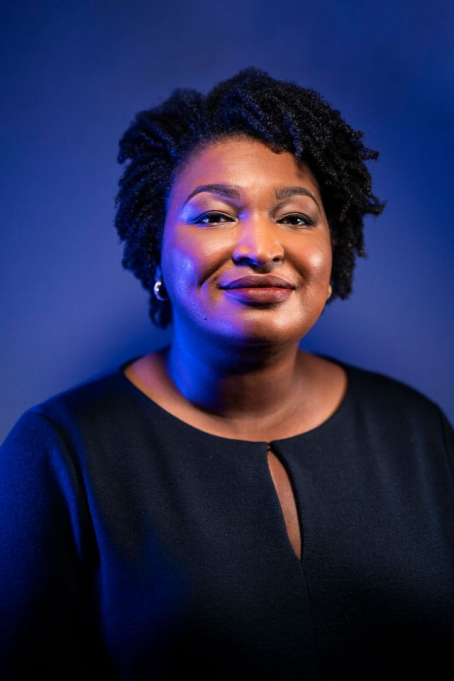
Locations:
{"points": [[186, 263], [316, 264], [321, 261], [180, 270]]}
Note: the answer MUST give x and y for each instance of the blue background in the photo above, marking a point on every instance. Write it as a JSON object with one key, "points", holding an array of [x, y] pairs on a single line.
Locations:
{"points": [[75, 73]]}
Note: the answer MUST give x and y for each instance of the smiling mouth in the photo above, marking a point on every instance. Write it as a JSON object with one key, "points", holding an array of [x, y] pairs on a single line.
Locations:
{"points": [[259, 294], [258, 281]]}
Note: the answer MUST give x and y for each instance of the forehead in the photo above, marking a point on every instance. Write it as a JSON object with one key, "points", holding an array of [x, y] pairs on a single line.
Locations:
{"points": [[249, 163]]}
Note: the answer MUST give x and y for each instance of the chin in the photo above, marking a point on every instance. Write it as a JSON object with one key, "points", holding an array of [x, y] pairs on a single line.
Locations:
{"points": [[256, 334]]}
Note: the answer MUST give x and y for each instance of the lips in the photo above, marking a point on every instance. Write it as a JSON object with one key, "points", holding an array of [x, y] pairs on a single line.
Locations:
{"points": [[258, 281], [262, 289]]}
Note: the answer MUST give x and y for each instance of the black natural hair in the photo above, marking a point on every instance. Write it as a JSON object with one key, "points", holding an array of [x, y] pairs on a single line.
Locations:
{"points": [[281, 114]]}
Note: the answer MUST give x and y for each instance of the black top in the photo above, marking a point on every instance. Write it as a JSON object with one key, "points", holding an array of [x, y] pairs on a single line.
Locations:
{"points": [[136, 546]]}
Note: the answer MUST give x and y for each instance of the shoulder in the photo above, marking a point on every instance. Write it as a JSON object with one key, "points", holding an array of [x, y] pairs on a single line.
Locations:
{"points": [[380, 388], [375, 392], [377, 385], [90, 406], [387, 405]]}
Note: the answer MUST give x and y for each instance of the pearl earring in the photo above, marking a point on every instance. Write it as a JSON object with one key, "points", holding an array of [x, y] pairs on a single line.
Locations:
{"points": [[330, 290]]}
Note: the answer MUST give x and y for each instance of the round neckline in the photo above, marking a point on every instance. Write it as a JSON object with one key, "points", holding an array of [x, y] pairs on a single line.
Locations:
{"points": [[328, 423]]}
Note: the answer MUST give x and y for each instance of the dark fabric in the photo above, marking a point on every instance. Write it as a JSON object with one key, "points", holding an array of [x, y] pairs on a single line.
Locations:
{"points": [[135, 546]]}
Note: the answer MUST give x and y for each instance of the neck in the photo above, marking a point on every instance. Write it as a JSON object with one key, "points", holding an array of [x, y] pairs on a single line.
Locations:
{"points": [[239, 384]]}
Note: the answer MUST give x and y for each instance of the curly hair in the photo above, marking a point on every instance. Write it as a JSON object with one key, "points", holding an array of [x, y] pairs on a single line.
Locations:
{"points": [[281, 114]]}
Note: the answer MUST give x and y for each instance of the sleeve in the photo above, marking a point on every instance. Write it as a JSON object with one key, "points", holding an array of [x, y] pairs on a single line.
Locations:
{"points": [[47, 618]]}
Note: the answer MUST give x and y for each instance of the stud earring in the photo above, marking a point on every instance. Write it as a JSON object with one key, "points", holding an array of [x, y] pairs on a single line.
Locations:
{"points": [[158, 289]]}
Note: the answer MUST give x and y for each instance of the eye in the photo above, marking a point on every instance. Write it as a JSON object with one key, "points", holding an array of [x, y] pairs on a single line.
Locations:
{"points": [[305, 220], [206, 216], [293, 218]]}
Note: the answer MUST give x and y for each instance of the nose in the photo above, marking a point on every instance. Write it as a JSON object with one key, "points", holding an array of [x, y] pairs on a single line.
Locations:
{"points": [[258, 243]]}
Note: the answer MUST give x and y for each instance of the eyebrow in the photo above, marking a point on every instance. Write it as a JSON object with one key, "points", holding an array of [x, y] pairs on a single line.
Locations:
{"points": [[232, 192]]}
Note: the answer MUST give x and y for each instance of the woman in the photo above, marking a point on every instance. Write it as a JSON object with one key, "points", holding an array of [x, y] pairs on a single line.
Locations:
{"points": [[232, 506]]}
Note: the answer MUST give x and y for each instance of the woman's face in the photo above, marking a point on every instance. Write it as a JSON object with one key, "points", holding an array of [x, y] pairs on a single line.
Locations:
{"points": [[264, 217]]}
